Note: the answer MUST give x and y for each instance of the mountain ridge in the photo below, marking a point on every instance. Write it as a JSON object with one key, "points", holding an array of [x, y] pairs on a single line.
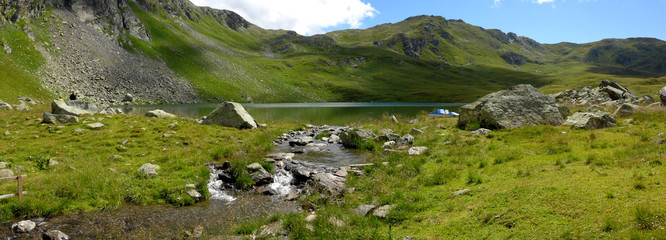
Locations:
{"points": [[214, 55]]}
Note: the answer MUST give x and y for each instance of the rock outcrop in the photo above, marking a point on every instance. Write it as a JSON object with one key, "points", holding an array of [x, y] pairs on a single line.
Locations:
{"points": [[590, 120], [231, 114], [518, 106], [87, 37], [662, 96], [607, 91]]}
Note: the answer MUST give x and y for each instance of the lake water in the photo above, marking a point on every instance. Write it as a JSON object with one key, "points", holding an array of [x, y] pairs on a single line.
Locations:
{"points": [[313, 113]]}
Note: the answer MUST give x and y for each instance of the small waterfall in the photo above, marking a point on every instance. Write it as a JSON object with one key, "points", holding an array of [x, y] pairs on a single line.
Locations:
{"points": [[282, 182], [215, 187]]}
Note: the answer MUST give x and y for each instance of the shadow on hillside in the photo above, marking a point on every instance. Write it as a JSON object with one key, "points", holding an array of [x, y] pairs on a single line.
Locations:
{"points": [[377, 74], [624, 72]]}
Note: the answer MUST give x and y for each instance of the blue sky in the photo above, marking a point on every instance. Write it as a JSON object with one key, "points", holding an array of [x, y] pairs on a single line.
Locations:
{"points": [[547, 21]]}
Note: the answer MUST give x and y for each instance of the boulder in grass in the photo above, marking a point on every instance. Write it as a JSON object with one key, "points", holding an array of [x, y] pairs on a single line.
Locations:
{"points": [[157, 113], [50, 118], [383, 211], [4, 105], [60, 107], [518, 106], [364, 210], [87, 106], [626, 110], [231, 114], [96, 126], [149, 169], [6, 173], [590, 120], [662, 96]]}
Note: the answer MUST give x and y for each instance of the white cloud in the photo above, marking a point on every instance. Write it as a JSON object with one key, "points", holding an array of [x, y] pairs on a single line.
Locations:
{"points": [[306, 17], [544, 1]]}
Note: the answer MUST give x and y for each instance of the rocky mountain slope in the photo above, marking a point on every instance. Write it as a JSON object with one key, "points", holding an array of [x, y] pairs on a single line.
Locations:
{"points": [[173, 51]]}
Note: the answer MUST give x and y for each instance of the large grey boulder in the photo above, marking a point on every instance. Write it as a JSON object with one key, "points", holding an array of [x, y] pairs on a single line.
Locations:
{"points": [[87, 106], [60, 107], [4, 105], [231, 114], [518, 106], [590, 120], [157, 113], [662, 96], [50, 118], [258, 174]]}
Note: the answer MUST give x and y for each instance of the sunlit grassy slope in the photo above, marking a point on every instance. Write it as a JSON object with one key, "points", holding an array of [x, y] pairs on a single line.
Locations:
{"points": [[18, 70], [421, 59]]}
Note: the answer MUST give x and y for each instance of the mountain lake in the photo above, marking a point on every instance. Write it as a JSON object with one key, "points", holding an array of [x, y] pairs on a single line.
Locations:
{"points": [[313, 113]]}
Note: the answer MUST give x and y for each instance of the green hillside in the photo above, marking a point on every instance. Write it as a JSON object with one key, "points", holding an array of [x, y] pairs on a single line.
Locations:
{"points": [[421, 59]]}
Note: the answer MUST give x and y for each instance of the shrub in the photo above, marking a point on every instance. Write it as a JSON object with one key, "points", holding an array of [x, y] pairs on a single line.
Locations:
{"points": [[43, 163]]}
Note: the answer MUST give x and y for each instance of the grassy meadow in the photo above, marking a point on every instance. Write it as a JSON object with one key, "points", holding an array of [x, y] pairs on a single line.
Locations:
{"points": [[89, 177], [539, 182], [534, 182]]}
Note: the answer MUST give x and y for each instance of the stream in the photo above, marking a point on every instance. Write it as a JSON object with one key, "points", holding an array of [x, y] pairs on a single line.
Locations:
{"points": [[226, 207]]}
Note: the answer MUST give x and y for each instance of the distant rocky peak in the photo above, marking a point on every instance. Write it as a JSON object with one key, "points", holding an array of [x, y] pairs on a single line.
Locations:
{"points": [[228, 18]]}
